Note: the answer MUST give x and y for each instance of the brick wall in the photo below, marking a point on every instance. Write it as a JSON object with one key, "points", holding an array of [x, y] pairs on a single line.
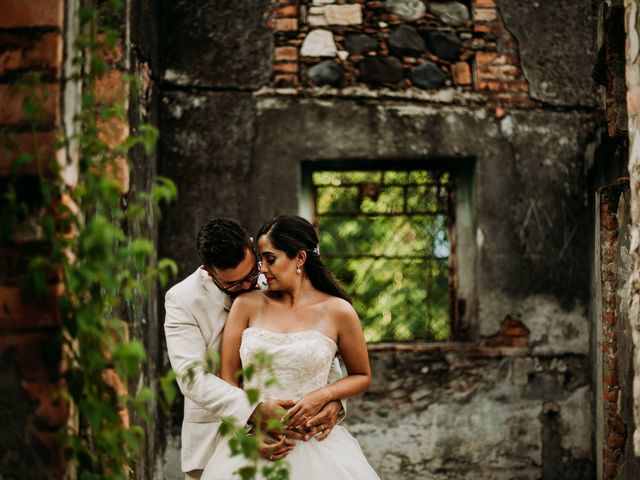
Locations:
{"points": [[613, 243], [398, 45], [633, 108], [31, 42]]}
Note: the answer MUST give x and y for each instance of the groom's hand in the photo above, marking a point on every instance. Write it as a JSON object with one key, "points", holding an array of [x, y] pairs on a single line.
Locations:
{"points": [[273, 409], [321, 424], [275, 448]]}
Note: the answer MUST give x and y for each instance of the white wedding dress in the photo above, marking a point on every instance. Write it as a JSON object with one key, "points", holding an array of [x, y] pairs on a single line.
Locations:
{"points": [[301, 362]]}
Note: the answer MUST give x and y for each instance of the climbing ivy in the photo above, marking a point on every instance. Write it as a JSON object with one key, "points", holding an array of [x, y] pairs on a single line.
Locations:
{"points": [[84, 241]]}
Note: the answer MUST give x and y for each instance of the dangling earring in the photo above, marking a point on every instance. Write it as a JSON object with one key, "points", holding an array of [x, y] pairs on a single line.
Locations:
{"points": [[298, 270]]}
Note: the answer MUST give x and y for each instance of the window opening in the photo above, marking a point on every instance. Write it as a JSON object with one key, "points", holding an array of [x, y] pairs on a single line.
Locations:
{"points": [[387, 236]]}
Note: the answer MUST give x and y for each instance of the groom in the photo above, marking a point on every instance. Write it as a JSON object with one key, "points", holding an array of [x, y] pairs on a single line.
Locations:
{"points": [[196, 312]]}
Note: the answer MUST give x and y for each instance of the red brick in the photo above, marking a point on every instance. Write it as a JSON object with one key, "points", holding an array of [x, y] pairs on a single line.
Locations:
{"points": [[486, 15], [35, 354], [286, 53], [113, 131], [610, 470], [616, 425], [286, 24], [499, 72], [610, 379], [286, 67], [20, 52], [481, 28], [609, 319], [461, 73], [11, 101], [494, 58], [112, 379], [610, 222], [31, 13], [485, 3], [33, 313], [496, 86], [41, 145], [514, 331], [52, 410], [615, 441], [112, 54], [119, 171], [286, 80], [287, 11], [611, 395], [111, 88], [611, 455]]}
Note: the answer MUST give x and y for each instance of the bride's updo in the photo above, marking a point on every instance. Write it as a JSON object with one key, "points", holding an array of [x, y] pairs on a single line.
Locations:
{"points": [[292, 234]]}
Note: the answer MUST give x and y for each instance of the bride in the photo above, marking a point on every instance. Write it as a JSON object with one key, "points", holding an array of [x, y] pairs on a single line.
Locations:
{"points": [[302, 322]]}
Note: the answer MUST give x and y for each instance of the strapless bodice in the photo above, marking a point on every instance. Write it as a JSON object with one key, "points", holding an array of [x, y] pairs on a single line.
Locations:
{"points": [[300, 361]]}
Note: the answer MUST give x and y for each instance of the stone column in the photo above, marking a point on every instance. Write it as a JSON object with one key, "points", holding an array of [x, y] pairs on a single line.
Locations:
{"points": [[632, 24]]}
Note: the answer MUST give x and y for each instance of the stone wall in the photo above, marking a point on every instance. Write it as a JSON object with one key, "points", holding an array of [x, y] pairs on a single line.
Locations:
{"points": [[244, 115]]}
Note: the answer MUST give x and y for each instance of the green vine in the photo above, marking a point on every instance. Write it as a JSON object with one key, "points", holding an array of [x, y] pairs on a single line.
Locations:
{"points": [[84, 242]]}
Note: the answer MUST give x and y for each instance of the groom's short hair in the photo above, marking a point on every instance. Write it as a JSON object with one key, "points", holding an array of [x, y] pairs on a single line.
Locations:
{"points": [[222, 243]]}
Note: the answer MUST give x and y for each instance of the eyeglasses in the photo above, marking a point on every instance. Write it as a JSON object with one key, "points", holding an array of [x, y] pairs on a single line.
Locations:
{"points": [[235, 286]]}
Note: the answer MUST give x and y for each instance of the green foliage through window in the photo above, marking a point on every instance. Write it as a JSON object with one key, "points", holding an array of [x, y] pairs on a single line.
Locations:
{"points": [[385, 235]]}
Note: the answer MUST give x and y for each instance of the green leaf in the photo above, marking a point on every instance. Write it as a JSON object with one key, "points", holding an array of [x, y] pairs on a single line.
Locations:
{"points": [[149, 136], [252, 395], [247, 473], [85, 12], [128, 356], [164, 190], [168, 387]]}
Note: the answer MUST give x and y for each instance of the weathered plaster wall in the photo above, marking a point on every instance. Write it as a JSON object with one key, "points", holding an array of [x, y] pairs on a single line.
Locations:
{"points": [[469, 410], [632, 24], [444, 414]]}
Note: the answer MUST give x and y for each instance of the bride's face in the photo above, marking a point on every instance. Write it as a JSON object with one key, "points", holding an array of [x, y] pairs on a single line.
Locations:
{"points": [[279, 270]]}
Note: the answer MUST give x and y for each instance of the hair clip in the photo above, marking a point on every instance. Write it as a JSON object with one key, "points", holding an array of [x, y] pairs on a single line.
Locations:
{"points": [[317, 250]]}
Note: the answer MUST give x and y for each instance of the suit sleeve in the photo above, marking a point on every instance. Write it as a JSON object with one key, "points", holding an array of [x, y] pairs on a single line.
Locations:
{"points": [[335, 374], [187, 353]]}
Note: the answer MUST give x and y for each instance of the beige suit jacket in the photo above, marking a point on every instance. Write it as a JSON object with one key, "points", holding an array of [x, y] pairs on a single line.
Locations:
{"points": [[196, 312]]}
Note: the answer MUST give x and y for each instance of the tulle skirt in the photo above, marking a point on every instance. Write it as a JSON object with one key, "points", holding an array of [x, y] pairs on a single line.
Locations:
{"points": [[337, 457]]}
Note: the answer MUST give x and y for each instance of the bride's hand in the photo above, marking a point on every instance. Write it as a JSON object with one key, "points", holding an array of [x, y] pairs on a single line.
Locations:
{"points": [[307, 407]]}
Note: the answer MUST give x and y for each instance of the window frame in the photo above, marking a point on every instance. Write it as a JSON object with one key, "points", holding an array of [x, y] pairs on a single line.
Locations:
{"points": [[462, 290]]}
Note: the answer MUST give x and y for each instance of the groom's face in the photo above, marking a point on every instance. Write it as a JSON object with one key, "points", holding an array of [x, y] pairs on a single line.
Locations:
{"points": [[239, 279]]}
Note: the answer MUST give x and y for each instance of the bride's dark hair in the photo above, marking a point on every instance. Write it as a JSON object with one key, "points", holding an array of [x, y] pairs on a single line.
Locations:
{"points": [[292, 234]]}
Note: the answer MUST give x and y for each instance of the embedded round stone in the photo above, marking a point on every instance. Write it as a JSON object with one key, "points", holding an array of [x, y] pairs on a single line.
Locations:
{"points": [[360, 44], [405, 40], [444, 45], [428, 75], [407, 10], [326, 73], [378, 70], [450, 13]]}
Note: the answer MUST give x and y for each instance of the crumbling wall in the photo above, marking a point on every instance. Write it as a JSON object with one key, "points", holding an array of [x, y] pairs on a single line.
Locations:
{"points": [[515, 399]]}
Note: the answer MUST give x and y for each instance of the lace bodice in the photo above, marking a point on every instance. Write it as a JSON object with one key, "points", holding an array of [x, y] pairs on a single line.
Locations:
{"points": [[300, 361]]}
